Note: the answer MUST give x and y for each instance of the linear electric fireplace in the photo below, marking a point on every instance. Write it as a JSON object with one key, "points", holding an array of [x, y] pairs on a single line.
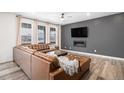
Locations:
{"points": [[79, 43]]}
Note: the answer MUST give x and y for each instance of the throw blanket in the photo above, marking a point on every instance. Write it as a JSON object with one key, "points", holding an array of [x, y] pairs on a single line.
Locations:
{"points": [[69, 66]]}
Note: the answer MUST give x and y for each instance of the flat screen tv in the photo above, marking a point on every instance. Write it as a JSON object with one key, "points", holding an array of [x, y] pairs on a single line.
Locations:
{"points": [[79, 32]]}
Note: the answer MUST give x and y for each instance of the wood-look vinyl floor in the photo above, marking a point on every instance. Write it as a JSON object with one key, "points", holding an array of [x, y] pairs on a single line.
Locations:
{"points": [[100, 69], [10, 71], [105, 69]]}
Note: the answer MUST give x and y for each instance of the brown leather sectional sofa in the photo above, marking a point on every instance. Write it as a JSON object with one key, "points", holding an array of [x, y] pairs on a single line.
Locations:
{"points": [[39, 66]]}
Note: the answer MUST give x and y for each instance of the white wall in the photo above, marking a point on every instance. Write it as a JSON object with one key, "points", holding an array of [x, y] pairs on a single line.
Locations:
{"points": [[7, 36]]}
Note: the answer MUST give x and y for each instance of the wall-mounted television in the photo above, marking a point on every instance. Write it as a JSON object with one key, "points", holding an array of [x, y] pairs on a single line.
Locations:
{"points": [[79, 32]]}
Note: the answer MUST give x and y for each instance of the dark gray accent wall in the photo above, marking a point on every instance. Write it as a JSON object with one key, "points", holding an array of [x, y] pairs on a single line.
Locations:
{"points": [[106, 36]]}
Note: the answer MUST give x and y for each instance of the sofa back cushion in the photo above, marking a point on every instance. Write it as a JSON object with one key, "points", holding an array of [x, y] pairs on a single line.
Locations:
{"points": [[39, 47], [26, 48]]}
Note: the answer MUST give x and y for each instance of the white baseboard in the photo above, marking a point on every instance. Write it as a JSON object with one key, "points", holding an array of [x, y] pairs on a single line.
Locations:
{"points": [[4, 61], [97, 55]]}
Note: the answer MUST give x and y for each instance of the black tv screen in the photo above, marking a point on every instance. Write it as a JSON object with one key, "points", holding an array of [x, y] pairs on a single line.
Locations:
{"points": [[79, 32]]}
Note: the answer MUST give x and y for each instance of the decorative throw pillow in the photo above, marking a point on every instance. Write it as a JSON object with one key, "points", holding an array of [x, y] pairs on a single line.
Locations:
{"points": [[52, 46]]}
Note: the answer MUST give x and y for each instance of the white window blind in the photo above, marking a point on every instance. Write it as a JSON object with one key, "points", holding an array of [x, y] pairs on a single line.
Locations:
{"points": [[26, 30], [52, 35], [41, 34]]}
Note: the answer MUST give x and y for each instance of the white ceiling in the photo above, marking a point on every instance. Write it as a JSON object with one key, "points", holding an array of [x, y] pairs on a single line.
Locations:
{"points": [[69, 17]]}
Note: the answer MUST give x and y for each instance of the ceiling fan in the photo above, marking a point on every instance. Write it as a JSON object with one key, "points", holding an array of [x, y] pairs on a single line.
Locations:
{"points": [[62, 17]]}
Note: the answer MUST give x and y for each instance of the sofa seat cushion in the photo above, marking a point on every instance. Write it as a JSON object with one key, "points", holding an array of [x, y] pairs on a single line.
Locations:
{"points": [[82, 59], [47, 50]]}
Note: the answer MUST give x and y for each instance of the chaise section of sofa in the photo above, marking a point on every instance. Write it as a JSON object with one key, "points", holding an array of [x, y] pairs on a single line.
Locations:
{"points": [[84, 64]]}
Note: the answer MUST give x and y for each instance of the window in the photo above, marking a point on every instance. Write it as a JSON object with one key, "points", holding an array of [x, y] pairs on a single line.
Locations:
{"points": [[41, 34], [26, 30], [52, 35]]}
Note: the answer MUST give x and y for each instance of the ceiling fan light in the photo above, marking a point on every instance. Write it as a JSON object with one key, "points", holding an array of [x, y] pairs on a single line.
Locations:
{"points": [[62, 17]]}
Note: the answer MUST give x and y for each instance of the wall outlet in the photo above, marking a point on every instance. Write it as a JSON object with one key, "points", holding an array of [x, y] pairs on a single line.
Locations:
{"points": [[95, 51]]}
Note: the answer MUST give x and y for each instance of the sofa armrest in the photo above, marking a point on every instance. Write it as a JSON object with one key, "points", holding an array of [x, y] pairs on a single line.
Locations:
{"points": [[57, 74], [26, 49]]}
